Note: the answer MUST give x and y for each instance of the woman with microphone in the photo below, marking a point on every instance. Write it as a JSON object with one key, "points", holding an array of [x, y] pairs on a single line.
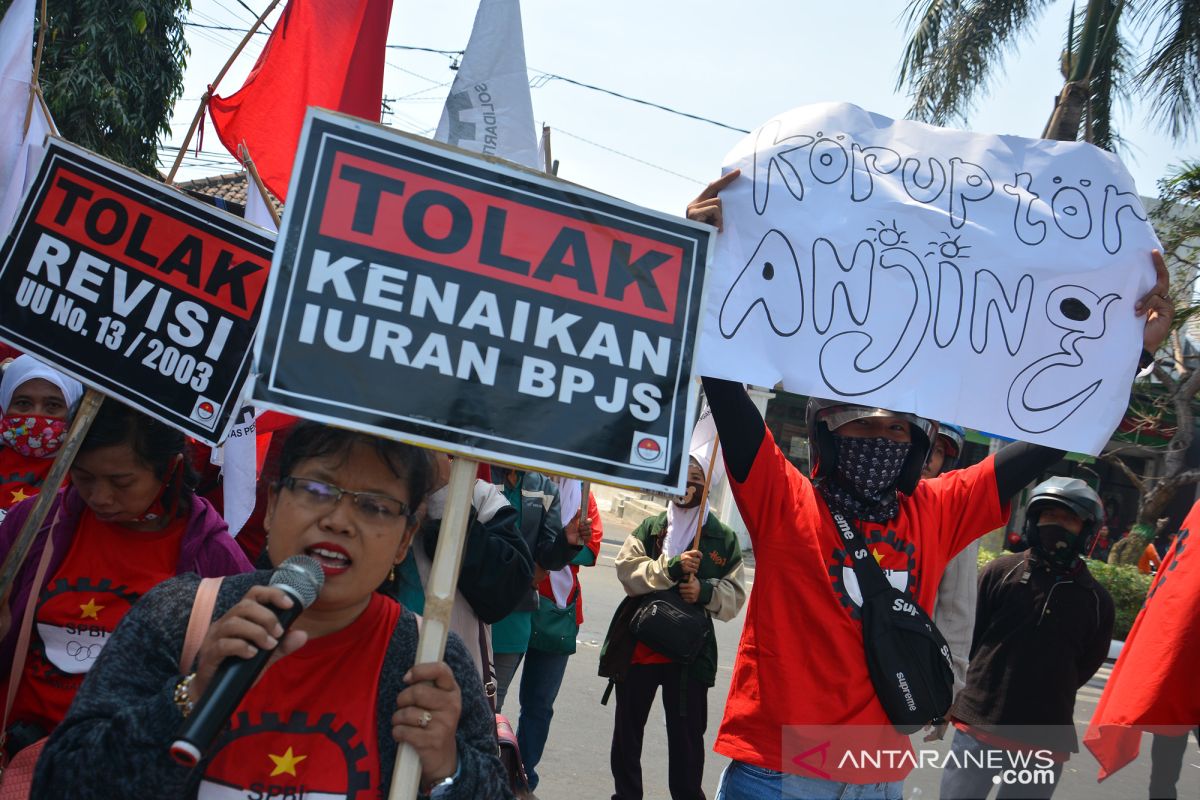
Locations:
{"points": [[341, 689]]}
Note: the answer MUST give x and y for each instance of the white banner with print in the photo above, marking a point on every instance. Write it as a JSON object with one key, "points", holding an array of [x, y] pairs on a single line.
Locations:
{"points": [[983, 280]]}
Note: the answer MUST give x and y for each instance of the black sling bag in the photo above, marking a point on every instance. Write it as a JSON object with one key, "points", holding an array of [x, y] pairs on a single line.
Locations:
{"points": [[907, 658]]}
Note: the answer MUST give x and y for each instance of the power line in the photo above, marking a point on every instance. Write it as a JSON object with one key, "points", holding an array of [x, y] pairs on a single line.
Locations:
{"points": [[628, 156], [538, 82]]}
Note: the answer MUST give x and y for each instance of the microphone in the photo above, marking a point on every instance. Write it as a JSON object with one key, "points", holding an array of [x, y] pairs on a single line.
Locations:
{"points": [[301, 577]]}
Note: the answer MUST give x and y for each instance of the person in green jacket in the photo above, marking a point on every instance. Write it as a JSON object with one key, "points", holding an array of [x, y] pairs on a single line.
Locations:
{"points": [[662, 554]]}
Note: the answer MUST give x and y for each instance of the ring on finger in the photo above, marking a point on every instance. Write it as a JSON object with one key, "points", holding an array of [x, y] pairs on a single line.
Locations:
{"points": [[425, 719]]}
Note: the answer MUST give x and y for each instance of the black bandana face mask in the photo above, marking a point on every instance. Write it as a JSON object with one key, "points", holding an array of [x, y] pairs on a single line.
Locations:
{"points": [[1057, 546], [865, 484]]}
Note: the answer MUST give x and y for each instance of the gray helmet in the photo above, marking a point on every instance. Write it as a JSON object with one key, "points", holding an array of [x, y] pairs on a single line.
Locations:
{"points": [[957, 437], [1070, 493], [825, 416]]}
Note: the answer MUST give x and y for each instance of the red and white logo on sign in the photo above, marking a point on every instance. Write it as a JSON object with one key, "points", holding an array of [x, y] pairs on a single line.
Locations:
{"points": [[206, 411], [648, 450]]}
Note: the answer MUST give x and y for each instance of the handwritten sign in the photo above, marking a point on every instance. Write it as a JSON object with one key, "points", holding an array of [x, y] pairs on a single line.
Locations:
{"points": [[983, 280], [134, 288], [429, 295]]}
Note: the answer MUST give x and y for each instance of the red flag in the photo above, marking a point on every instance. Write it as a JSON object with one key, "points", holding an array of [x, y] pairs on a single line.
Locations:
{"points": [[1153, 685], [327, 53]]}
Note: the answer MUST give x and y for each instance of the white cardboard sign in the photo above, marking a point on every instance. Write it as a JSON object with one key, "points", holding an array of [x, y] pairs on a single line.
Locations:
{"points": [[977, 279]]}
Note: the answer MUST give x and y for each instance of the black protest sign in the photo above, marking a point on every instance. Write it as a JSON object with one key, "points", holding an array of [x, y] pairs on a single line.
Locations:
{"points": [[431, 296], [135, 289]]}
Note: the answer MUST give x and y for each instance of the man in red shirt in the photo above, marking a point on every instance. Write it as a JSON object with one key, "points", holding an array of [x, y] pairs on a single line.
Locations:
{"points": [[801, 660]]}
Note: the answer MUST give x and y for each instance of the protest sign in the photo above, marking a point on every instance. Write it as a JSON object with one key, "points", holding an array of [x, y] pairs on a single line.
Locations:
{"points": [[135, 289], [983, 280], [428, 295]]}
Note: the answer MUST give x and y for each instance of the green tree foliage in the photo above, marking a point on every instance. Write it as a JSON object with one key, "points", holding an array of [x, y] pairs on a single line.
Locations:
{"points": [[111, 73], [1113, 49]]}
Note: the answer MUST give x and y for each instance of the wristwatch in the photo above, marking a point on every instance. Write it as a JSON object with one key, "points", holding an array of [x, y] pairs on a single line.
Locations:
{"points": [[441, 788]]}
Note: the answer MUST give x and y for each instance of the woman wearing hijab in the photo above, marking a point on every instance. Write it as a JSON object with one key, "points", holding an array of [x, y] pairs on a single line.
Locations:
{"points": [[128, 521], [38, 401], [341, 689], [658, 555]]}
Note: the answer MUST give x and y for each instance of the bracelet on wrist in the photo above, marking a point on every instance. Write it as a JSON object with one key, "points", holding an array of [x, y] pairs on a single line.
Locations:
{"points": [[182, 697]]}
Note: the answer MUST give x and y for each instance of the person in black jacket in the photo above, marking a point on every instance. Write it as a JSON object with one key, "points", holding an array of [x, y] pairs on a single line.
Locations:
{"points": [[496, 570], [539, 520], [1042, 629]]}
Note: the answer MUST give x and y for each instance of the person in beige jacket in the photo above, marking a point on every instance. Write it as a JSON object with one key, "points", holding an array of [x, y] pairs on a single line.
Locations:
{"points": [[662, 554]]}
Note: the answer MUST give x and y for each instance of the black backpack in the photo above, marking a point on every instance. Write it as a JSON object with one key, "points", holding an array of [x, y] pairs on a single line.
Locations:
{"points": [[907, 657]]}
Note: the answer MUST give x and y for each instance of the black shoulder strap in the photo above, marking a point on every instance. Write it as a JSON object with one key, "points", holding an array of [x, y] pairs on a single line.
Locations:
{"points": [[871, 579]]}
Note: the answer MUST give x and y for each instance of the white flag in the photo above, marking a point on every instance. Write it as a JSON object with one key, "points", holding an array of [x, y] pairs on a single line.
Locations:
{"points": [[256, 207], [19, 150], [703, 436], [238, 459], [489, 110]]}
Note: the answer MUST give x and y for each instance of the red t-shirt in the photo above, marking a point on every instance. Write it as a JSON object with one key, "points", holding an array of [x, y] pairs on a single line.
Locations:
{"points": [[308, 727], [801, 659], [20, 476], [107, 568]]}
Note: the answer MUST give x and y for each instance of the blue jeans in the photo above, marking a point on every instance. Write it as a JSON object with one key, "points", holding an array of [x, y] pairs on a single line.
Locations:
{"points": [[975, 780], [540, 682], [742, 781]]}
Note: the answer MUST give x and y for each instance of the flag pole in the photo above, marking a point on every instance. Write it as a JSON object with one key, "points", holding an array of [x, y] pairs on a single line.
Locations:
{"points": [[252, 171], [712, 467], [212, 87], [439, 602]]}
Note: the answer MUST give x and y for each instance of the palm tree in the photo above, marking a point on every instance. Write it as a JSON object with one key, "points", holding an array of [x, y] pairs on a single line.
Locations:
{"points": [[956, 45]]}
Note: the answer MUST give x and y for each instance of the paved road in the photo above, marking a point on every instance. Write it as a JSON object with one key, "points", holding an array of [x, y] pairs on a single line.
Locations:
{"points": [[575, 766]]}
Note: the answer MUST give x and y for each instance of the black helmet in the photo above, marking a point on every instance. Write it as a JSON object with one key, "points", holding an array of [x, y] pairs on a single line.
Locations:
{"points": [[1072, 494], [825, 416]]}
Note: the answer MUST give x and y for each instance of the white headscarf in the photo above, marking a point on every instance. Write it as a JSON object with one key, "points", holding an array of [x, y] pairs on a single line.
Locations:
{"points": [[27, 368], [570, 501], [682, 523]]}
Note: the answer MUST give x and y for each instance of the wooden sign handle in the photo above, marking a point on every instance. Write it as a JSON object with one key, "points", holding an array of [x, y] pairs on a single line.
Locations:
{"points": [[439, 601], [88, 407]]}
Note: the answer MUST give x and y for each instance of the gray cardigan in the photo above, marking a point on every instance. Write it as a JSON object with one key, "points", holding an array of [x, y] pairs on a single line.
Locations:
{"points": [[114, 740]]}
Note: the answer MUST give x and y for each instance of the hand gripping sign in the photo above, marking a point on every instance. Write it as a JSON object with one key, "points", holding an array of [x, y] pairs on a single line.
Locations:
{"points": [[135, 289], [432, 296], [985, 280]]}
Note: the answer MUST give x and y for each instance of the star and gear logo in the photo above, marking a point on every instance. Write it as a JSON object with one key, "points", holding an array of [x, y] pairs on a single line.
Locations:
{"points": [[80, 628], [292, 757], [895, 555]]}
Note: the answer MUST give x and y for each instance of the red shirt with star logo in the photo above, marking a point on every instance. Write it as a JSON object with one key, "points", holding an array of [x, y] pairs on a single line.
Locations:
{"points": [[801, 660], [20, 476], [308, 727], [106, 570]]}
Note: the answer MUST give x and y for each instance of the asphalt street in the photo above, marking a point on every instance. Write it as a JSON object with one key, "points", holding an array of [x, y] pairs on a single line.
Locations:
{"points": [[576, 762]]}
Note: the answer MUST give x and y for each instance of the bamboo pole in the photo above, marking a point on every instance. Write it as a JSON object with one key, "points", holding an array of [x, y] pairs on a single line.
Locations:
{"points": [[439, 602], [34, 89], [212, 87], [88, 407], [252, 171]]}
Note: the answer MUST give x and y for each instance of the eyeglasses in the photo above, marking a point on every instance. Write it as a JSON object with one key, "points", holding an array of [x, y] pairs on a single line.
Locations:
{"points": [[322, 496]]}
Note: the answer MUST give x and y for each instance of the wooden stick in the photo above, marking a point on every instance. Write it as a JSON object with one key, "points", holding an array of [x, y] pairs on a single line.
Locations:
{"points": [[546, 150], [34, 88], [212, 87], [41, 506], [252, 171], [712, 467], [439, 602]]}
